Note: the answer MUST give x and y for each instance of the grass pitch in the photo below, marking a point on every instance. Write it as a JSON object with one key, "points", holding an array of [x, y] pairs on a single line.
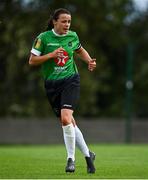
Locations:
{"points": [[48, 162]]}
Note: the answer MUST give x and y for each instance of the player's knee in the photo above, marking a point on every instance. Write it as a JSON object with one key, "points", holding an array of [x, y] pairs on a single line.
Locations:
{"points": [[66, 118]]}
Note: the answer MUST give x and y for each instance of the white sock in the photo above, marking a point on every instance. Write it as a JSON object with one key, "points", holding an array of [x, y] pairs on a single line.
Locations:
{"points": [[69, 139], [80, 142]]}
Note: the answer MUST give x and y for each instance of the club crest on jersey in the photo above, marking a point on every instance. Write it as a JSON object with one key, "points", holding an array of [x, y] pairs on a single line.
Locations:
{"points": [[61, 61], [70, 44]]}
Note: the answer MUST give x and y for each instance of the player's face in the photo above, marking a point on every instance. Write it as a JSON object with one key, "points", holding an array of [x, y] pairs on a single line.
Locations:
{"points": [[62, 25]]}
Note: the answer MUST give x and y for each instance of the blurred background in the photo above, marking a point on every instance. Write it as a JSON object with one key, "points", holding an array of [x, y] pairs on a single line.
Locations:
{"points": [[114, 98]]}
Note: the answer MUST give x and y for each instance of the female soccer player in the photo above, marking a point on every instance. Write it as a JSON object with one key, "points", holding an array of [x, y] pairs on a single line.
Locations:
{"points": [[53, 50]]}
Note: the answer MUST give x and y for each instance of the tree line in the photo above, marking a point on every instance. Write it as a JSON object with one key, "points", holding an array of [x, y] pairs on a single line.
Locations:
{"points": [[105, 28]]}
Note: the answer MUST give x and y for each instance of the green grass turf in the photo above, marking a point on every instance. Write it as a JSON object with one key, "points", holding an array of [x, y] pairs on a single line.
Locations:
{"points": [[41, 161]]}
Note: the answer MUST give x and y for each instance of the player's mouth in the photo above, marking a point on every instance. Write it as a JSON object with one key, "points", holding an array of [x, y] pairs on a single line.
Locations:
{"points": [[65, 30]]}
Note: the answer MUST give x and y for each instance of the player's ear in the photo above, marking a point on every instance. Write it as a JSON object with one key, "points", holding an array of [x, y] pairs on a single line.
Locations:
{"points": [[54, 22]]}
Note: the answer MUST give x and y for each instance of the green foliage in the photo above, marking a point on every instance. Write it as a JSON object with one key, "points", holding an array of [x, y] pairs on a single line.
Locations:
{"points": [[138, 33], [104, 31]]}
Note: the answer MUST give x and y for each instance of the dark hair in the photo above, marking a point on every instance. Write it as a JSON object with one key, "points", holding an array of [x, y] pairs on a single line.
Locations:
{"points": [[55, 16]]}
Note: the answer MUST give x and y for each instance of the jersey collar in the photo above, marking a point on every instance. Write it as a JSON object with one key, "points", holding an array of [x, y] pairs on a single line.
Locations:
{"points": [[58, 34]]}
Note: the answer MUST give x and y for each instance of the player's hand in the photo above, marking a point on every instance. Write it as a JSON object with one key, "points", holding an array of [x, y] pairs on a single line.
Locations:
{"points": [[92, 65], [57, 53]]}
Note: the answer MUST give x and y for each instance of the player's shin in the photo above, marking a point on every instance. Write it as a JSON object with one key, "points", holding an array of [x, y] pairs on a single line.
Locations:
{"points": [[69, 139], [80, 142]]}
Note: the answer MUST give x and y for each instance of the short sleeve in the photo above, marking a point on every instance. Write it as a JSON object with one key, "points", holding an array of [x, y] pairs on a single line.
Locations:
{"points": [[77, 44], [38, 46]]}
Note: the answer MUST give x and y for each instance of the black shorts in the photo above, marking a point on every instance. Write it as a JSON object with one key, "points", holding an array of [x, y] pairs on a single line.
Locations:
{"points": [[63, 93]]}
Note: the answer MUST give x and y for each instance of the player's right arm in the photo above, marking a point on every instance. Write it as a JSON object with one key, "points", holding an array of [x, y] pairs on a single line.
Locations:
{"points": [[37, 57], [35, 60]]}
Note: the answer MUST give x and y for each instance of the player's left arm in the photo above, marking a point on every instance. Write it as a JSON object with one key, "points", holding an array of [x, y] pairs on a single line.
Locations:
{"points": [[84, 55]]}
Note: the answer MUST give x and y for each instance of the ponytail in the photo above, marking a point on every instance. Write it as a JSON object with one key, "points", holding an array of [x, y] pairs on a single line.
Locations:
{"points": [[50, 23]]}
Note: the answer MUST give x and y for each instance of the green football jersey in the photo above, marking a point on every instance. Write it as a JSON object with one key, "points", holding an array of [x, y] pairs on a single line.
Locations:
{"points": [[64, 66]]}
